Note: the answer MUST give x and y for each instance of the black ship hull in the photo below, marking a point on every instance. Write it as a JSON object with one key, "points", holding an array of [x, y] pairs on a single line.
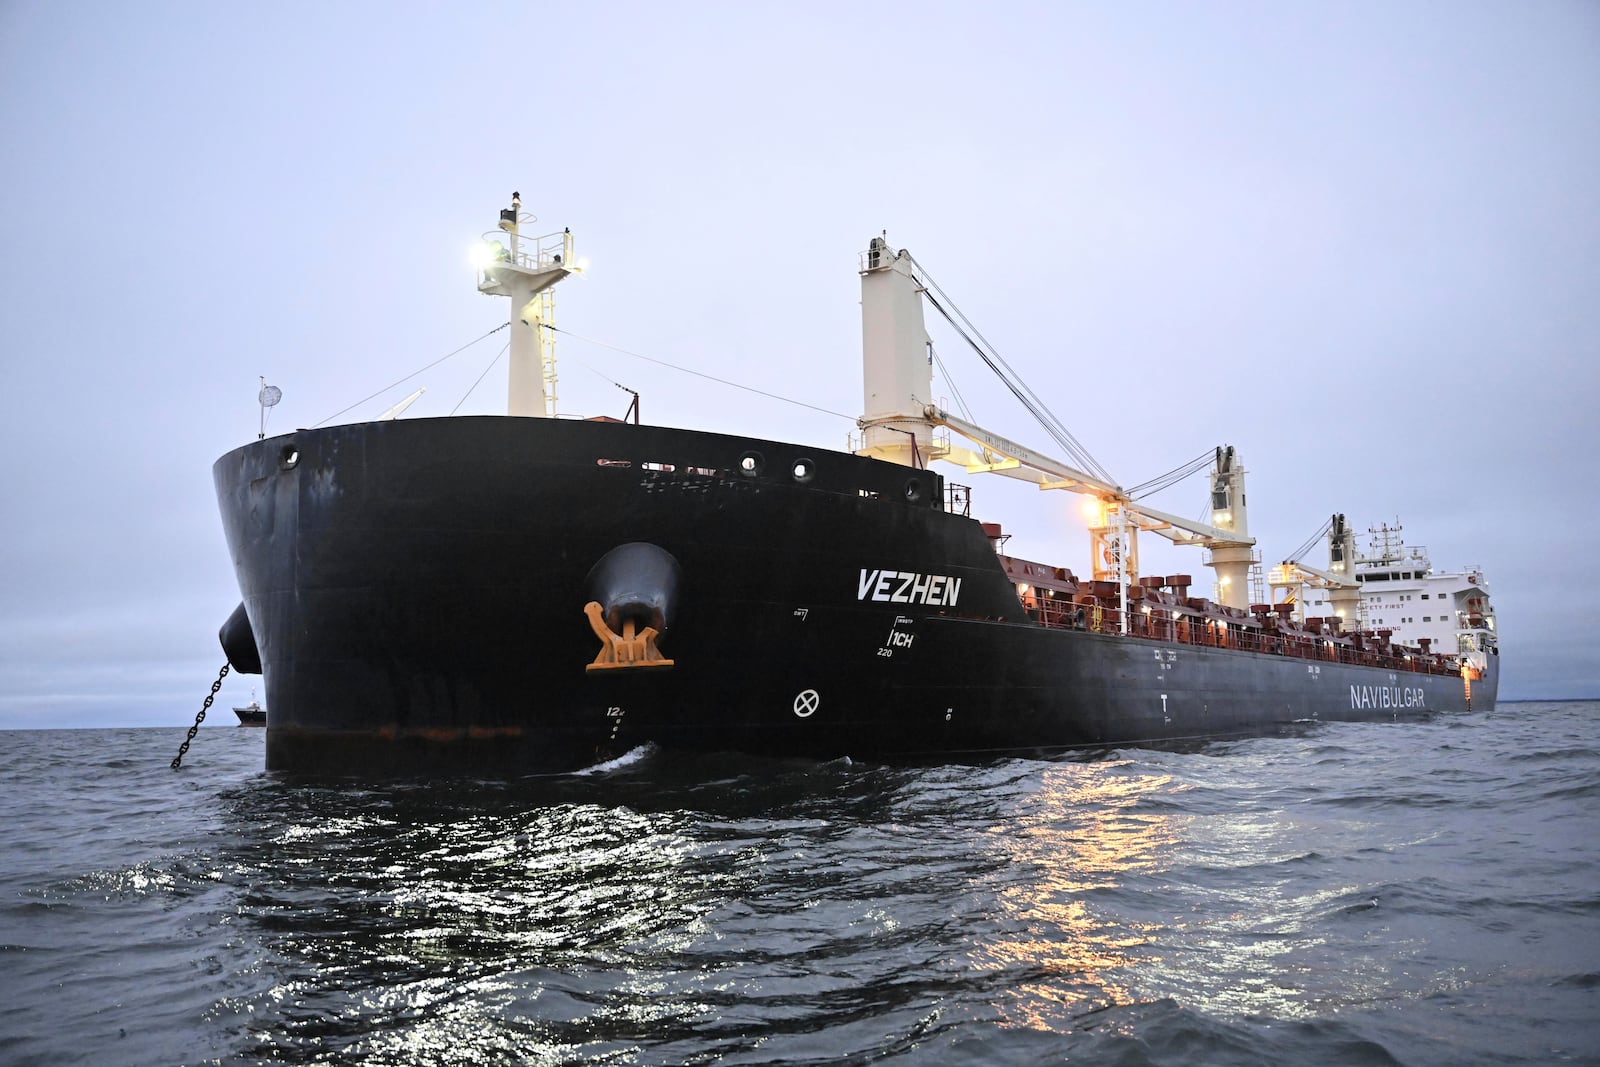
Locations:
{"points": [[415, 591]]}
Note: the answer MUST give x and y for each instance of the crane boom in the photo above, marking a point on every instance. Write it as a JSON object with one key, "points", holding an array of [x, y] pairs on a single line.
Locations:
{"points": [[1049, 473], [1307, 572], [1061, 475]]}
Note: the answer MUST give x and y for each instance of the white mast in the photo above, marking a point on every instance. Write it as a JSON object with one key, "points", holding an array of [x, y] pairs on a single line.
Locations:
{"points": [[1346, 597], [897, 378], [525, 272], [1233, 553]]}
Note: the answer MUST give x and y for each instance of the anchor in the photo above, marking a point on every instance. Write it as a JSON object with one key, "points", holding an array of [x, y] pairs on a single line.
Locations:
{"points": [[630, 650]]}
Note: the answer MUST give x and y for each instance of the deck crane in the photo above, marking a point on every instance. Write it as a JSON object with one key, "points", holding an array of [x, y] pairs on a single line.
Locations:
{"points": [[1339, 578], [899, 420]]}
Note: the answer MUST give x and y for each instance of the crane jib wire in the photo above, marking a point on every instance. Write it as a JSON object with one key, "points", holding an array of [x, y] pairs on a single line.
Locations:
{"points": [[1301, 552], [1029, 401], [1171, 478], [1025, 395], [1037, 406]]}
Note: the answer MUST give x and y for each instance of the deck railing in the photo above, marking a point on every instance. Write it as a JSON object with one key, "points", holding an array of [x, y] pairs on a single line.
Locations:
{"points": [[1167, 625]]}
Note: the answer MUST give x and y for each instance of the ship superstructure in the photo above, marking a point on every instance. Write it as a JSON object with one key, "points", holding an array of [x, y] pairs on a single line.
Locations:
{"points": [[1402, 594]]}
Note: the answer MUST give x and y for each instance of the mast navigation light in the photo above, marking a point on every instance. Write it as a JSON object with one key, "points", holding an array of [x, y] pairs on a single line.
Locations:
{"points": [[485, 253], [508, 215]]}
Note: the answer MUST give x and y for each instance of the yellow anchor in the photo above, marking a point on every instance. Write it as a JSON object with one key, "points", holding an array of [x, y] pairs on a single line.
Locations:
{"points": [[628, 651]]}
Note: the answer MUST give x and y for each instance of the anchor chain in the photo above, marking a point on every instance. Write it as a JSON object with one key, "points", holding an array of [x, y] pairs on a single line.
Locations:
{"points": [[200, 718]]}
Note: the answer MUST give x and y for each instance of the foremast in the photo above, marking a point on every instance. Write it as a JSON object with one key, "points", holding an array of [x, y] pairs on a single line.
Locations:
{"points": [[526, 269]]}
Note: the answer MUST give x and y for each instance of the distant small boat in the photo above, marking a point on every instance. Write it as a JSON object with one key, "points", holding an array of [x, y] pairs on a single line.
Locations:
{"points": [[252, 714]]}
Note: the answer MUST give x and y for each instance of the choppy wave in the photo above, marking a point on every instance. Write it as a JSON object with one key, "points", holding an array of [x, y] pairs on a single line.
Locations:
{"points": [[1417, 893]]}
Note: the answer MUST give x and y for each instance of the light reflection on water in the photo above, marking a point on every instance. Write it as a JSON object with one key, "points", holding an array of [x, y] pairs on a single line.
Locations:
{"points": [[600, 928], [506, 919], [1369, 894], [475, 924], [1097, 854], [1076, 838]]}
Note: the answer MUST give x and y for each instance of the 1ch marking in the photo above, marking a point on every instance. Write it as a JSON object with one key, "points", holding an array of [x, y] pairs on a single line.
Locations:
{"points": [[897, 638]]}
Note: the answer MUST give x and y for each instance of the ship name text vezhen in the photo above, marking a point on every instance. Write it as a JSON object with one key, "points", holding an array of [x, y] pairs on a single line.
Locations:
{"points": [[1385, 696], [907, 587]]}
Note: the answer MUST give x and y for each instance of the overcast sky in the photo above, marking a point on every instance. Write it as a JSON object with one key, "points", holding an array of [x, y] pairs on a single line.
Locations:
{"points": [[1358, 241]]}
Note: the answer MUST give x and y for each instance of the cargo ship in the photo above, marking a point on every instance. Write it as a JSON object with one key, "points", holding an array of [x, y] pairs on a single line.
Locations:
{"points": [[518, 594]]}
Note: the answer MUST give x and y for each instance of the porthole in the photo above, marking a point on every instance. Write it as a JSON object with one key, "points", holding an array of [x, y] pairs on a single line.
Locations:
{"points": [[751, 464], [288, 457], [915, 492], [803, 470]]}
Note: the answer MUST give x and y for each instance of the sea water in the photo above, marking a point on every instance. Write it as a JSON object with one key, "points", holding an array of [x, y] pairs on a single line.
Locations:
{"points": [[1413, 893]]}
